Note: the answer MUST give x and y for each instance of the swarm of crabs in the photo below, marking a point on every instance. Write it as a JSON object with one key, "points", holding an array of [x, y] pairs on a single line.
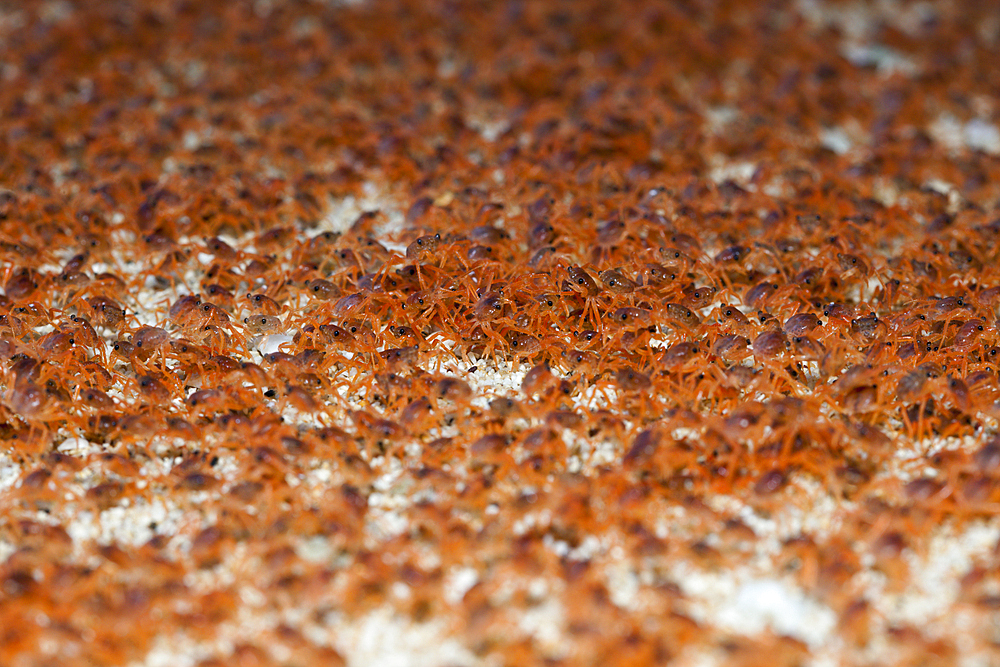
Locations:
{"points": [[345, 304]]}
